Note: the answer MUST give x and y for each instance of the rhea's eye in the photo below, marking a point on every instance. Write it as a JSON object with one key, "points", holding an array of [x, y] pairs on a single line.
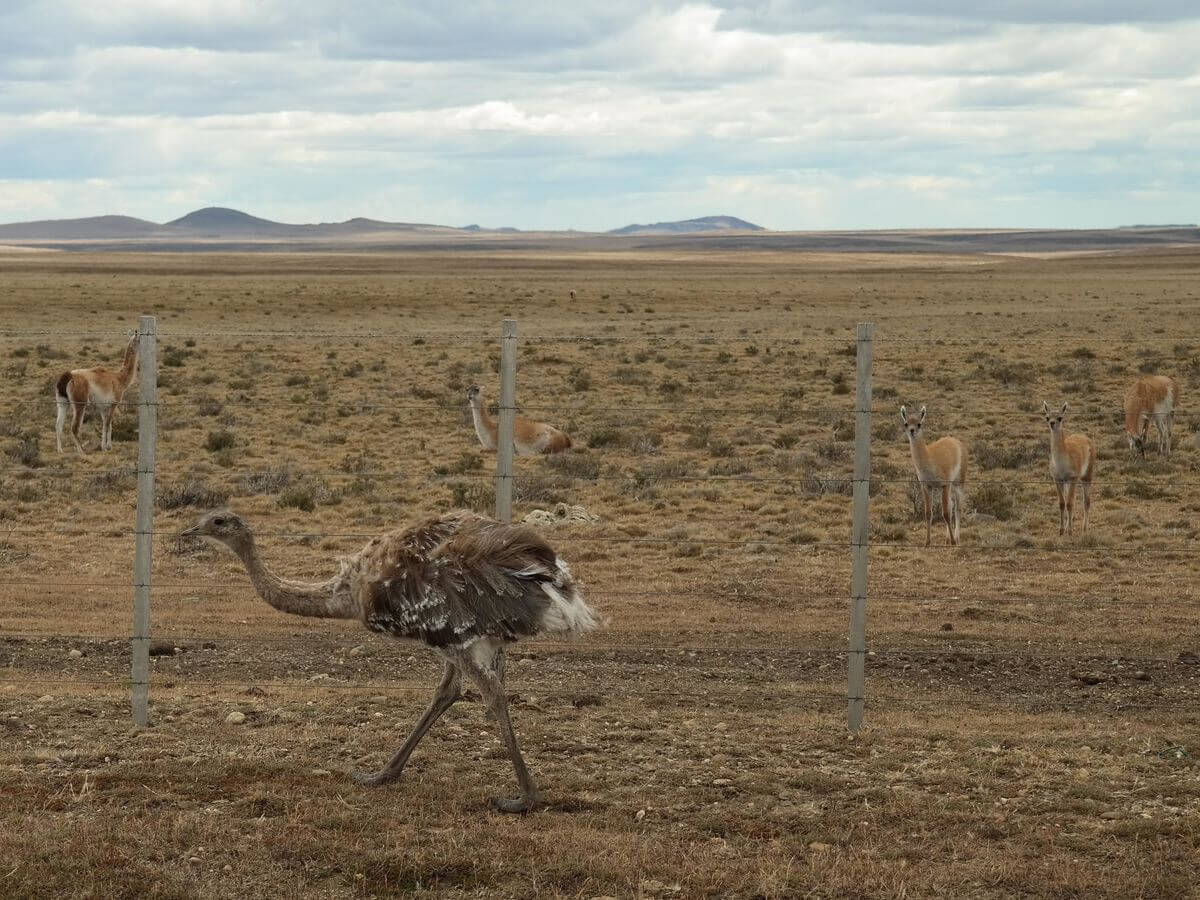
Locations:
{"points": [[219, 521]]}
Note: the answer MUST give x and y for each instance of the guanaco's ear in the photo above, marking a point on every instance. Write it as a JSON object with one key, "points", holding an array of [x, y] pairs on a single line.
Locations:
{"points": [[904, 414], [1064, 409], [923, 411], [1045, 409]]}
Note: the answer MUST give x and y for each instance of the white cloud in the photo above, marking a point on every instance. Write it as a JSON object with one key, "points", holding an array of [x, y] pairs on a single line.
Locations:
{"points": [[579, 116]]}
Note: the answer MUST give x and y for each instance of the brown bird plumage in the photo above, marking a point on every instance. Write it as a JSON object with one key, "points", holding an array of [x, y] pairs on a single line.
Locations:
{"points": [[462, 584]]}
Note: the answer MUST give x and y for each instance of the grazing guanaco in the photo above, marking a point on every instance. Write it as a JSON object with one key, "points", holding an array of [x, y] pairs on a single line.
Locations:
{"points": [[529, 437], [940, 464], [1072, 463], [1151, 397], [99, 386]]}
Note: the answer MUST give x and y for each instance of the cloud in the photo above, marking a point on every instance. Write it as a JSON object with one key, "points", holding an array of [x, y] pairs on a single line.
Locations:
{"points": [[589, 114]]}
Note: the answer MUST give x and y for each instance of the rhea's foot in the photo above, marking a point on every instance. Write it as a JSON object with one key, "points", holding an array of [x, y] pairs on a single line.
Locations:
{"points": [[516, 804], [374, 779]]}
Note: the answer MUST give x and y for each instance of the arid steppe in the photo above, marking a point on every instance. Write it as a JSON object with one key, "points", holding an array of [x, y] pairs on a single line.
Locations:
{"points": [[1031, 717]]}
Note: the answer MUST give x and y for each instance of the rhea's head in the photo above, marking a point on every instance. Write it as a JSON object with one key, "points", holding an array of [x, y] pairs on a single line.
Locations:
{"points": [[1054, 419], [224, 526], [912, 426]]}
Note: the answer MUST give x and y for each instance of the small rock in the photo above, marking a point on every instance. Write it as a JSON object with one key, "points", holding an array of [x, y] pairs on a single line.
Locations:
{"points": [[1141, 676], [524, 661], [235, 718], [721, 782], [162, 648], [45, 698], [819, 847], [1110, 814], [1188, 658], [947, 626], [320, 773], [76, 654], [193, 860], [227, 868], [360, 650], [641, 814]]}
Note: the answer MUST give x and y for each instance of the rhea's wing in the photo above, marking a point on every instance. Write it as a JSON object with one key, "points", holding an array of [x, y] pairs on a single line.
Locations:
{"points": [[485, 581]]}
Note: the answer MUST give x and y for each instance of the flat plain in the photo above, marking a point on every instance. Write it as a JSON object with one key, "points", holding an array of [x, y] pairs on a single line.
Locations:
{"points": [[1031, 718]]}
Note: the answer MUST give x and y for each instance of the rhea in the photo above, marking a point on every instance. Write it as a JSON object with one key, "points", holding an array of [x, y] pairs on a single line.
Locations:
{"points": [[462, 584]]}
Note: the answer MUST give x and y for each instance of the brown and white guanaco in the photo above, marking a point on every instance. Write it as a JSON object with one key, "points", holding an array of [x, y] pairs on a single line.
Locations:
{"points": [[529, 437], [1151, 397], [99, 386], [940, 464], [1072, 464]]}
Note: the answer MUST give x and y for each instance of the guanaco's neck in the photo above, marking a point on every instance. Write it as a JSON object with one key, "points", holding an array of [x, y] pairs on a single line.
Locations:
{"points": [[128, 367], [325, 600], [485, 425]]}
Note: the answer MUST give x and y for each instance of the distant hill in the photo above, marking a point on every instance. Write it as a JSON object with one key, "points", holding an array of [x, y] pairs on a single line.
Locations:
{"points": [[219, 220], [93, 228], [692, 226]]}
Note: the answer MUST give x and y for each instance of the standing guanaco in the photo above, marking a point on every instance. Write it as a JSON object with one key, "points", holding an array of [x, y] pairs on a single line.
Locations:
{"points": [[940, 464], [1072, 463]]}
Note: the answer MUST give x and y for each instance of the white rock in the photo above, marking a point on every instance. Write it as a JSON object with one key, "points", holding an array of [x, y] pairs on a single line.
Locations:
{"points": [[235, 718], [76, 654]]}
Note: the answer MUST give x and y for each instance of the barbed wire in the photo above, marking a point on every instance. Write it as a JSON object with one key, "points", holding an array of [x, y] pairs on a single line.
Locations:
{"points": [[795, 545], [961, 653]]}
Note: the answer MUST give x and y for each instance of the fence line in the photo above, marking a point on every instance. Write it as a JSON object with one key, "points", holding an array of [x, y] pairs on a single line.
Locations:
{"points": [[810, 480]]}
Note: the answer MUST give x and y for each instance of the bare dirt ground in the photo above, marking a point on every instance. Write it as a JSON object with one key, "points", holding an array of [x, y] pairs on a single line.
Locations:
{"points": [[1032, 700]]}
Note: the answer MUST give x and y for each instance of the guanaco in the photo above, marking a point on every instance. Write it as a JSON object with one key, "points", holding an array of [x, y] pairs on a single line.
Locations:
{"points": [[940, 464], [1151, 397], [530, 438], [1072, 463], [98, 386]]}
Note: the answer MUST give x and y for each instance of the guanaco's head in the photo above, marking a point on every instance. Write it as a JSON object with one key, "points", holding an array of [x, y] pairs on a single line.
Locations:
{"points": [[473, 394], [912, 426], [223, 526], [1137, 443], [1054, 419]]}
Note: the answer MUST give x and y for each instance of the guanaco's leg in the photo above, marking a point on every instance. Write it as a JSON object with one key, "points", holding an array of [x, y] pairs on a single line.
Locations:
{"points": [[946, 513], [77, 411], [1086, 487], [1062, 507], [928, 514], [1071, 488]]}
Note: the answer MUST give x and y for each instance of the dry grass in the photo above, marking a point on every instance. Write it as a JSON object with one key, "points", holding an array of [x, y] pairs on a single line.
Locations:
{"points": [[1032, 723]]}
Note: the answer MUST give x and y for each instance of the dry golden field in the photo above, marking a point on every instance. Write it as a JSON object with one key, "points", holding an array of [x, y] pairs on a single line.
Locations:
{"points": [[1032, 716]]}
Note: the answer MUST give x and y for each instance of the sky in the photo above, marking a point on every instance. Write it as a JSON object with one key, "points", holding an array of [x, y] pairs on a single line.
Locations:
{"points": [[592, 114]]}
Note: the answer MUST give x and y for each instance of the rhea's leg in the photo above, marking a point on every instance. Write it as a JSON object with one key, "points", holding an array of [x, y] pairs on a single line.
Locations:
{"points": [[493, 694], [447, 693]]}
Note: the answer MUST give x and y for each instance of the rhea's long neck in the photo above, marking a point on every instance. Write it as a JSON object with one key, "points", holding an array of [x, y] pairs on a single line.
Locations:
{"points": [[325, 600]]}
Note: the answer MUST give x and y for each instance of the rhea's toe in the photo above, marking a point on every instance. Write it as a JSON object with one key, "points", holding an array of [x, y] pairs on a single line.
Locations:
{"points": [[515, 804], [372, 779]]}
